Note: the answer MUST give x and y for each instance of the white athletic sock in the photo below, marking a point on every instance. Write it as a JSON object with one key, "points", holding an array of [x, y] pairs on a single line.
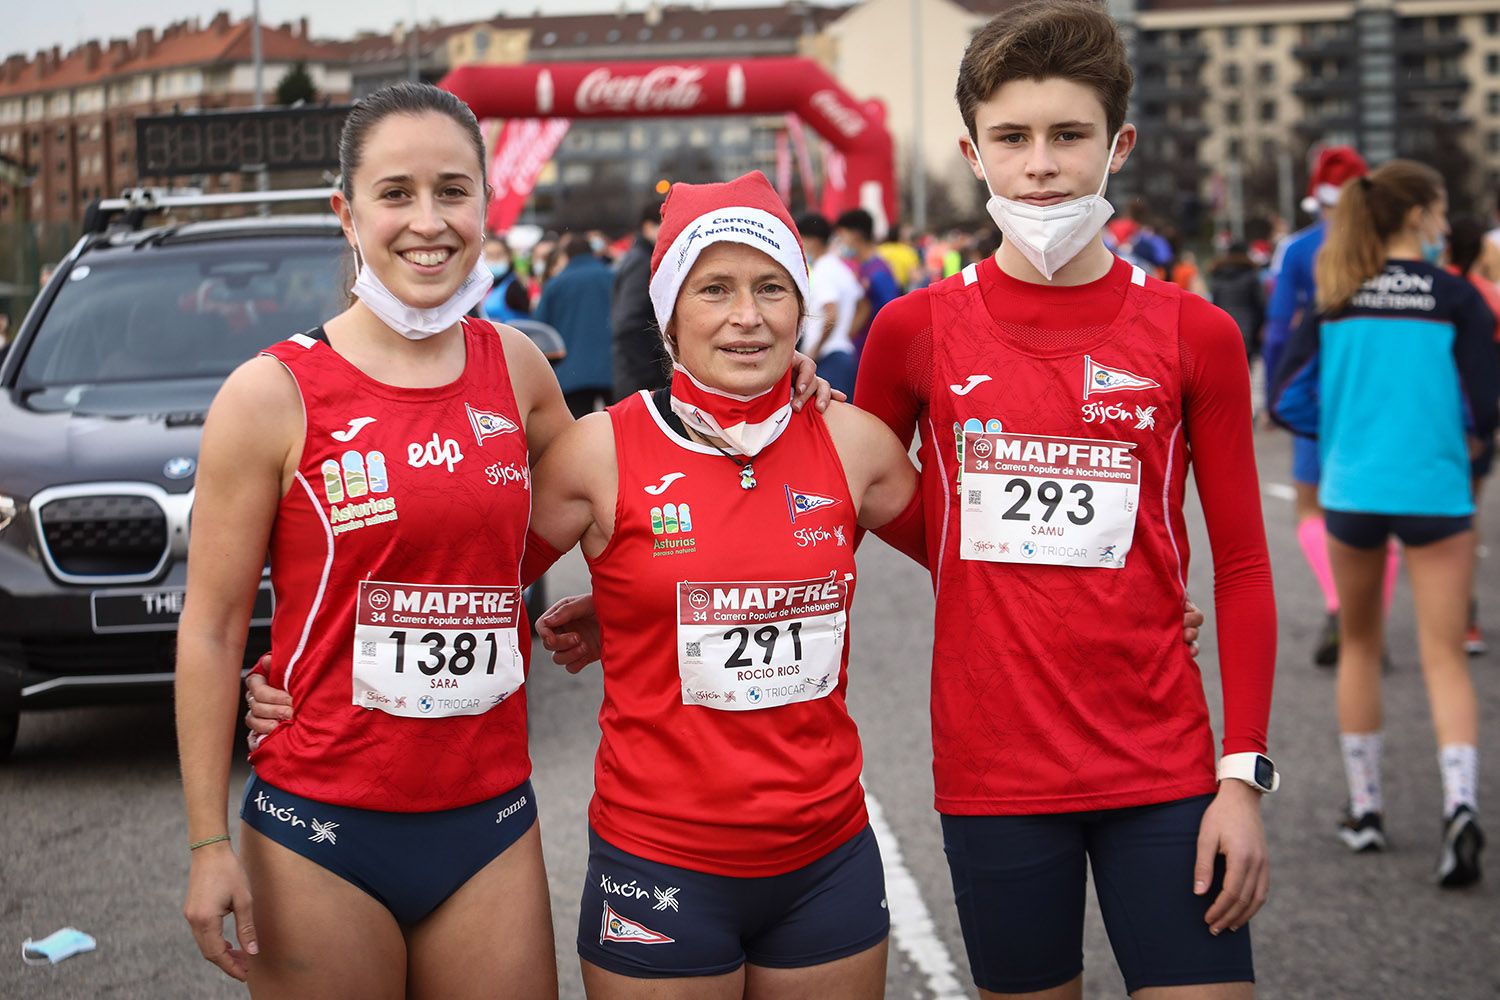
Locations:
{"points": [[1460, 764], [1362, 769]]}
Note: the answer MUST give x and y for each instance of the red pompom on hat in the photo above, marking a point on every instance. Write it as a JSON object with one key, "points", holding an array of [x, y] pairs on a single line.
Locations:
{"points": [[1334, 167], [745, 210]]}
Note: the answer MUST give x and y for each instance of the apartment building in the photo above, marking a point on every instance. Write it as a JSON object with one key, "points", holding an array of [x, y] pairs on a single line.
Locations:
{"points": [[1230, 97], [69, 119]]}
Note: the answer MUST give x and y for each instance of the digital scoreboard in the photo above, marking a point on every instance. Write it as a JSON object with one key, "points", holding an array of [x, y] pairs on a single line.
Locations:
{"points": [[230, 141]]}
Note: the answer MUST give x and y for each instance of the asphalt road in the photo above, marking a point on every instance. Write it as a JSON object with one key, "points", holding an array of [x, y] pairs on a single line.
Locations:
{"points": [[92, 834]]}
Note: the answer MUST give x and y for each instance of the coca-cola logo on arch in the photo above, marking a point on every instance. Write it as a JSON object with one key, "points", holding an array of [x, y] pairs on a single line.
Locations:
{"points": [[665, 88]]}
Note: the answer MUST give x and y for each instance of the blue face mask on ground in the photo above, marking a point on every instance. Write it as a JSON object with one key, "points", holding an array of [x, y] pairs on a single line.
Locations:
{"points": [[56, 946]]}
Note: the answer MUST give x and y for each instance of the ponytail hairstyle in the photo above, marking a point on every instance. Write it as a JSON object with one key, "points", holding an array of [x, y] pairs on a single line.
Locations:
{"points": [[1370, 211]]}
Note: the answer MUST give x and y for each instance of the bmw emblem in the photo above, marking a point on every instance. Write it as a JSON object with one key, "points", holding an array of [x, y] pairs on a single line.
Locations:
{"points": [[425, 703], [179, 468], [753, 695]]}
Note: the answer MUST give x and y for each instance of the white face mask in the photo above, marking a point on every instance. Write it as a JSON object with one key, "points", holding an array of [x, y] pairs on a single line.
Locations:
{"points": [[1051, 235], [409, 321]]}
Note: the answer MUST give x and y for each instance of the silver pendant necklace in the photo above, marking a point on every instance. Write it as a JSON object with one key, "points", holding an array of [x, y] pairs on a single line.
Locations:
{"points": [[747, 467]]}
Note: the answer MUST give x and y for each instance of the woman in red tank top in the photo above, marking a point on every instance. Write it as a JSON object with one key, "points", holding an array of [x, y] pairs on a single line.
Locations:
{"points": [[320, 450], [719, 528]]}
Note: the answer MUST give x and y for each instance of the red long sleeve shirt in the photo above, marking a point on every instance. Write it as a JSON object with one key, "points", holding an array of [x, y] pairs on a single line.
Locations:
{"points": [[1062, 687]]}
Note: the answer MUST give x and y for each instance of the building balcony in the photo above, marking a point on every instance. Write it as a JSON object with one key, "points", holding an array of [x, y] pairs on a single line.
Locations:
{"points": [[1317, 125], [1316, 87], [1175, 56], [1329, 47], [1418, 118], [1430, 45], [1160, 90], [1422, 83]]}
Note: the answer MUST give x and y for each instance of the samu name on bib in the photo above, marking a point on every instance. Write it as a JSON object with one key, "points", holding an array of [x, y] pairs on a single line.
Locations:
{"points": [[1056, 501], [745, 645], [424, 651]]}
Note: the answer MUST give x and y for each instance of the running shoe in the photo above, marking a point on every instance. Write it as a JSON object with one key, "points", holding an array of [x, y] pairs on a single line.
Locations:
{"points": [[1474, 643], [1327, 653], [1364, 834], [1458, 865]]}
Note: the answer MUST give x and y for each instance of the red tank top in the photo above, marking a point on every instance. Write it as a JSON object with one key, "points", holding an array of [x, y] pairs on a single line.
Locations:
{"points": [[395, 561], [726, 744], [1054, 478]]}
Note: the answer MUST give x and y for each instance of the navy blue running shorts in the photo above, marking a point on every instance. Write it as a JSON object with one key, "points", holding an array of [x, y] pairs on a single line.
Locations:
{"points": [[1019, 883], [1370, 531], [648, 920], [409, 862]]}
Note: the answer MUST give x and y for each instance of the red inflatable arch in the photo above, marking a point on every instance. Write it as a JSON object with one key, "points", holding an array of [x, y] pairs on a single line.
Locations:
{"points": [[701, 87]]}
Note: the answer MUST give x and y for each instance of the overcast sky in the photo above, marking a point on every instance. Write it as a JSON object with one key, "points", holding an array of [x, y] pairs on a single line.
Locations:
{"points": [[29, 25]]}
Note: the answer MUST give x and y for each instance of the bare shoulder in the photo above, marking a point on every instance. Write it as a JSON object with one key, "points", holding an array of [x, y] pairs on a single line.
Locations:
{"points": [[519, 348], [256, 418], [853, 428], [586, 445], [261, 388]]}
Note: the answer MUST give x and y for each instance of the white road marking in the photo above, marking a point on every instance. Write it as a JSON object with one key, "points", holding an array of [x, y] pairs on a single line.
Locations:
{"points": [[912, 929], [1281, 491]]}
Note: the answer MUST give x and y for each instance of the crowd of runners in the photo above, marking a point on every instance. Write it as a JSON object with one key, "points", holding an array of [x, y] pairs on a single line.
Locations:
{"points": [[411, 465]]}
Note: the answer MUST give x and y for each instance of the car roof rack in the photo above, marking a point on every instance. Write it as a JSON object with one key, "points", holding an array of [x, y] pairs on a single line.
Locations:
{"points": [[137, 203]]}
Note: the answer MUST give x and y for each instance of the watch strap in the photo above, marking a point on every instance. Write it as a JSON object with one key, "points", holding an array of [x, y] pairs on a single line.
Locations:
{"points": [[1243, 767]]}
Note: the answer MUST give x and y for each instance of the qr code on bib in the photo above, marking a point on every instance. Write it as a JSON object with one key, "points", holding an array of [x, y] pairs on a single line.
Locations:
{"points": [[694, 648], [367, 648], [974, 497]]}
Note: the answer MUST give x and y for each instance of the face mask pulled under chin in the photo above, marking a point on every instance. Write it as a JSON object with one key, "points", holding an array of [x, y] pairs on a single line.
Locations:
{"points": [[409, 321], [1050, 236]]}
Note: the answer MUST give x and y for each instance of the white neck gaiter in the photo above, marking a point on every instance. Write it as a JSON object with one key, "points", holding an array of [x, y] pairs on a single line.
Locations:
{"points": [[409, 321], [1051, 235]]}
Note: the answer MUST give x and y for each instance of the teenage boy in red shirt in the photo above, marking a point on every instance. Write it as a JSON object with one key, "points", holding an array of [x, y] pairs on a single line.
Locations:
{"points": [[1061, 395]]}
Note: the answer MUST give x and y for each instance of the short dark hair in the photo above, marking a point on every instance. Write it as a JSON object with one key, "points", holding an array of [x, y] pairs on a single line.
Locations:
{"points": [[814, 226], [400, 99], [576, 245], [650, 212], [1072, 39], [857, 220]]}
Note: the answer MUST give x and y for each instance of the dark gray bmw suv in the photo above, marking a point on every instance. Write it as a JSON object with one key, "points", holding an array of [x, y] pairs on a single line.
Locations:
{"points": [[102, 399]]}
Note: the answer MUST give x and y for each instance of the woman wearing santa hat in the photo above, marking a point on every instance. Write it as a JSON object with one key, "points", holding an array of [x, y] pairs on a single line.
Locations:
{"points": [[730, 852]]}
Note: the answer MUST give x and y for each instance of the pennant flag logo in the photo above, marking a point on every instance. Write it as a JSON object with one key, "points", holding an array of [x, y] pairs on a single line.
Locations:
{"points": [[1097, 379], [798, 503], [614, 927], [487, 424]]}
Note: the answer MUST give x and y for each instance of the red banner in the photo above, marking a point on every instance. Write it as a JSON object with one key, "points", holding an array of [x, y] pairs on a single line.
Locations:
{"points": [[698, 87], [784, 168], [523, 149], [804, 158]]}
